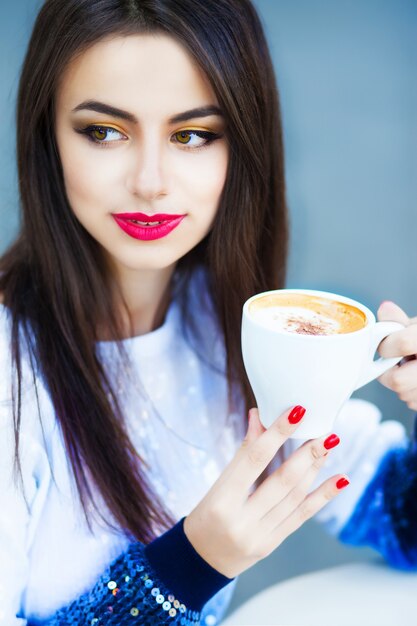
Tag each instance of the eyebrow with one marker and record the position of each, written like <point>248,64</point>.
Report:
<point>107,109</point>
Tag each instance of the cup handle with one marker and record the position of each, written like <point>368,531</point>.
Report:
<point>376,368</point>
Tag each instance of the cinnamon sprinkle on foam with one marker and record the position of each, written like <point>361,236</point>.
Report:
<point>305,327</point>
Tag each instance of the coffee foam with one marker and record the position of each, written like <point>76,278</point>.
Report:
<point>306,315</point>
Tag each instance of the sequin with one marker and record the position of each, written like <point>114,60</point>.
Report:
<point>115,591</point>
<point>171,598</point>
<point>148,583</point>
<point>159,598</point>
<point>112,585</point>
<point>176,604</point>
<point>155,591</point>
<point>166,605</point>
<point>379,519</point>
<point>94,621</point>
<point>172,612</point>
<point>134,611</point>
<point>127,578</point>
<point>182,608</point>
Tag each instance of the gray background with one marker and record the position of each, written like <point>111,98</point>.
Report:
<point>346,70</point>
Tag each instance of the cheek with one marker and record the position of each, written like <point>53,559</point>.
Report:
<point>88,177</point>
<point>205,177</point>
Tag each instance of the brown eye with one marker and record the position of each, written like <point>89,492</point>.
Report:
<point>183,136</point>
<point>194,139</point>
<point>99,133</point>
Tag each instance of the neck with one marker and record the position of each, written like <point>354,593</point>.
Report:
<point>147,294</point>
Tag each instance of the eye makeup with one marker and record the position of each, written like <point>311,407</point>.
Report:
<point>92,133</point>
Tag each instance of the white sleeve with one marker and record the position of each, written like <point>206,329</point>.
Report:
<point>364,441</point>
<point>18,516</point>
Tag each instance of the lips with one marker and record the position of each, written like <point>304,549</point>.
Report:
<point>147,227</point>
<point>147,219</point>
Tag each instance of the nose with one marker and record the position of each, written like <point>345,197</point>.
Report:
<point>147,177</point>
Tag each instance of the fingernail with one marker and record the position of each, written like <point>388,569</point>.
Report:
<point>342,482</point>
<point>386,302</point>
<point>331,441</point>
<point>296,414</point>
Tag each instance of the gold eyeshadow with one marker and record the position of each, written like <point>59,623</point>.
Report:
<point>106,124</point>
<point>190,129</point>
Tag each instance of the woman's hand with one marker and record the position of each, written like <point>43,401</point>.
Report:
<point>401,378</point>
<point>232,528</point>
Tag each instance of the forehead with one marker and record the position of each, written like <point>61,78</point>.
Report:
<point>151,75</point>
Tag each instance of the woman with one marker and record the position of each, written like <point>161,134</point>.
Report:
<point>151,177</point>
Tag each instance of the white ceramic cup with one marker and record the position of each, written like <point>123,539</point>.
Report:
<point>320,372</point>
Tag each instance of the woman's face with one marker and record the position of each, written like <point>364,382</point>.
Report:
<point>141,159</point>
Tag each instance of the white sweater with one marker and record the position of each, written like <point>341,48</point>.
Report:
<point>47,554</point>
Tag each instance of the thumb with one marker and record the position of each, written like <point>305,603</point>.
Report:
<point>391,312</point>
<point>255,428</point>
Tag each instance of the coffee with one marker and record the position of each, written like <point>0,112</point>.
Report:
<point>306,314</point>
<point>312,348</point>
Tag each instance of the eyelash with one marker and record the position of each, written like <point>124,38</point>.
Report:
<point>203,134</point>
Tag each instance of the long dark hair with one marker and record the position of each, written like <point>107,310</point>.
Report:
<point>54,279</point>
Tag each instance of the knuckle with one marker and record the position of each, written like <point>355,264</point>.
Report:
<point>305,510</point>
<point>256,456</point>
<point>318,463</point>
<point>406,344</point>
<point>328,495</point>
<point>397,384</point>
<point>263,552</point>
<point>287,477</point>
<point>315,453</point>
<point>283,428</point>
<point>296,496</point>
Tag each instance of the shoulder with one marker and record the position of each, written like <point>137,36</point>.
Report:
<point>7,365</point>
<point>35,401</point>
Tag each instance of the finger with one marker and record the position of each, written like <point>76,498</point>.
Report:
<point>292,472</point>
<point>311,505</point>
<point>256,428</point>
<point>412,405</point>
<point>293,499</point>
<point>410,398</point>
<point>251,460</point>
<point>401,379</point>
<point>391,312</point>
<point>400,343</point>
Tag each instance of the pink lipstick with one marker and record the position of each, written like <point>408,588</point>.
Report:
<point>147,227</point>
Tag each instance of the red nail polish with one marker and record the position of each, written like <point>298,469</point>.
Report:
<point>342,482</point>
<point>296,414</point>
<point>331,441</point>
